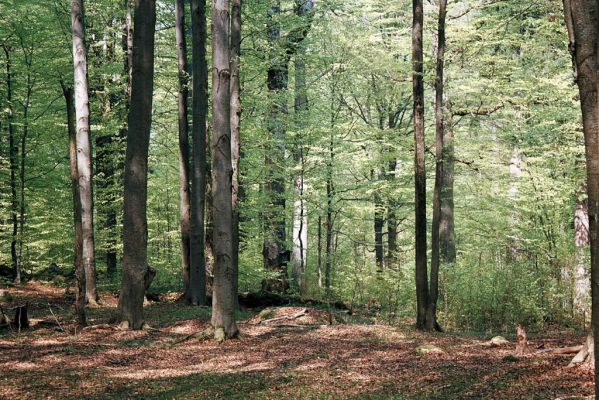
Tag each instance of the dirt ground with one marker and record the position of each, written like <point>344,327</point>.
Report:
<point>277,359</point>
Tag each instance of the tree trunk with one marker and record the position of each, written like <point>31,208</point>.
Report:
<point>235,130</point>
<point>431,317</point>
<point>392,256</point>
<point>13,158</point>
<point>300,212</point>
<point>135,226</point>
<point>196,293</point>
<point>184,198</point>
<point>329,218</point>
<point>447,248</point>
<point>319,251</point>
<point>78,242</point>
<point>223,295</point>
<point>419,163</point>
<point>379,223</point>
<point>274,217</point>
<point>84,153</point>
<point>582,18</point>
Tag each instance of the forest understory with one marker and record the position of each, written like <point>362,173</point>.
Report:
<point>298,355</point>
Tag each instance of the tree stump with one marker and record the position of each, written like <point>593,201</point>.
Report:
<point>521,340</point>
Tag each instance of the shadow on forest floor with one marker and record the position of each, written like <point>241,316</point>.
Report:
<point>288,361</point>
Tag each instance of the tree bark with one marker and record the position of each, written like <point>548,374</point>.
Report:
<point>274,217</point>
<point>84,153</point>
<point>78,242</point>
<point>13,159</point>
<point>582,17</point>
<point>196,293</point>
<point>235,54</point>
<point>300,212</point>
<point>184,197</point>
<point>379,223</point>
<point>419,163</point>
<point>392,256</point>
<point>223,294</point>
<point>431,317</point>
<point>447,246</point>
<point>135,226</point>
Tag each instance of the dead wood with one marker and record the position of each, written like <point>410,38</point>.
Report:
<point>561,350</point>
<point>285,317</point>
<point>521,340</point>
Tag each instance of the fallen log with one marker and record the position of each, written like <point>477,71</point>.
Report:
<point>285,317</point>
<point>561,350</point>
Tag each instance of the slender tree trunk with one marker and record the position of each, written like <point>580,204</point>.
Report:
<point>582,20</point>
<point>22,158</point>
<point>300,212</point>
<point>329,218</point>
<point>84,153</point>
<point>392,223</point>
<point>274,217</point>
<point>184,197</point>
<point>223,294</point>
<point>196,293</point>
<point>319,251</point>
<point>431,318</point>
<point>447,247</point>
<point>128,48</point>
<point>379,223</point>
<point>235,129</point>
<point>13,158</point>
<point>419,162</point>
<point>135,226</point>
<point>78,242</point>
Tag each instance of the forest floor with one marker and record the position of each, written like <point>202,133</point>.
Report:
<point>286,359</point>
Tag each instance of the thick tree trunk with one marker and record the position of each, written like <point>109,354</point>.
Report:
<point>78,242</point>
<point>431,317</point>
<point>84,153</point>
<point>223,294</point>
<point>419,163</point>
<point>184,197</point>
<point>135,226</point>
<point>13,159</point>
<point>235,129</point>
<point>196,293</point>
<point>582,19</point>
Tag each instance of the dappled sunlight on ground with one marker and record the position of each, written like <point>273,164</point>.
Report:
<point>285,359</point>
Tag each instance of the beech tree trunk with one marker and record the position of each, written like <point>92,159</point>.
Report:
<point>196,293</point>
<point>379,223</point>
<point>582,20</point>
<point>13,159</point>
<point>235,129</point>
<point>135,226</point>
<point>84,153</point>
<point>223,294</point>
<point>184,197</point>
<point>392,256</point>
<point>419,163</point>
<point>431,317</point>
<point>300,212</point>
<point>78,242</point>
<point>447,247</point>
<point>274,217</point>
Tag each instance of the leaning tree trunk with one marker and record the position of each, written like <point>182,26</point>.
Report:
<point>184,198</point>
<point>431,317</point>
<point>84,153</point>
<point>223,293</point>
<point>419,163</point>
<point>135,225</point>
<point>235,129</point>
<point>582,21</point>
<point>78,243</point>
<point>196,293</point>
